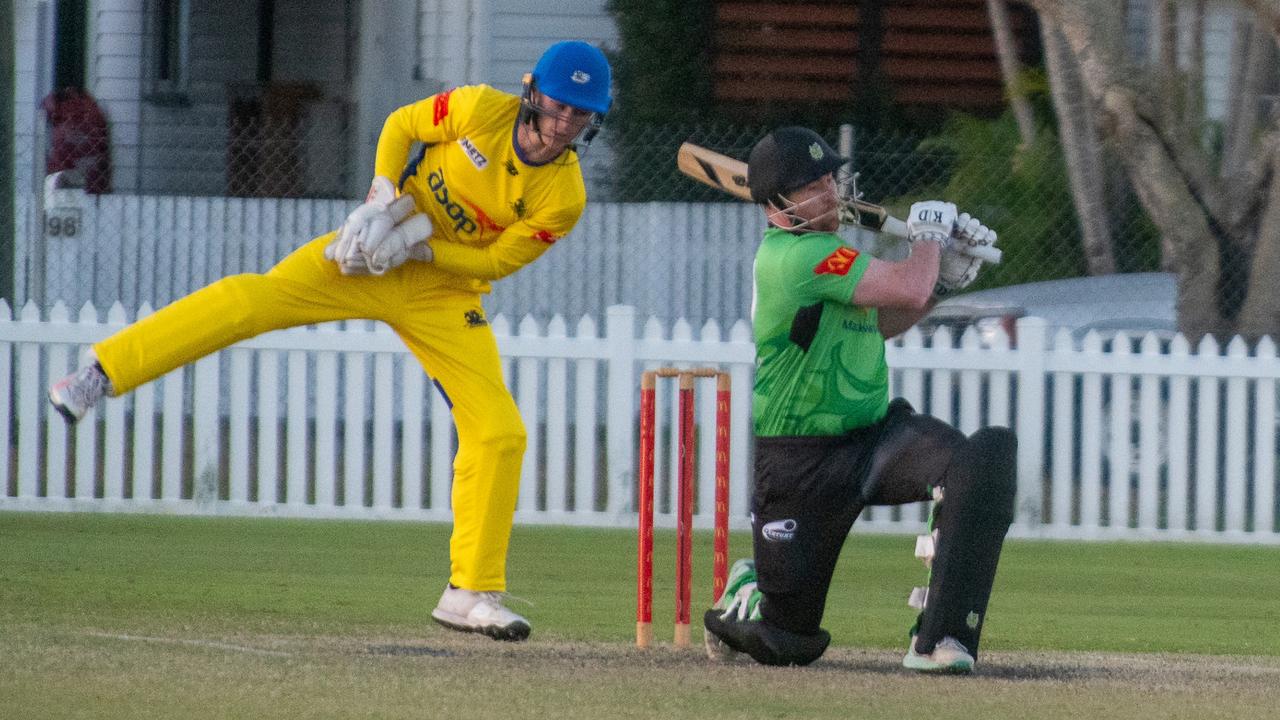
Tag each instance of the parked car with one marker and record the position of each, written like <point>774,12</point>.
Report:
<point>1135,302</point>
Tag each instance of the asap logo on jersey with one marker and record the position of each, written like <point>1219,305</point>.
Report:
<point>464,222</point>
<point>837,263</point>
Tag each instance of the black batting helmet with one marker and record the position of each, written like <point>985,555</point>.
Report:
<point>787,159</point>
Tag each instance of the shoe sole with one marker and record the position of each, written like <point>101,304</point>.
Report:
<point>718,650</point>
<point>922,664</point>
<point>515,632</point>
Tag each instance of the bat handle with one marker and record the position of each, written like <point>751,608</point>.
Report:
<point>894,227</point>
<point>985,253</point>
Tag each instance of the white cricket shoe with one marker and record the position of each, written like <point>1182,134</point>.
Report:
<point>479,612</point>
<point>948,656</point>
<point>75,394</point>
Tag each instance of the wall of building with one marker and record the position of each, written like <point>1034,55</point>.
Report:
<point>349,62</point>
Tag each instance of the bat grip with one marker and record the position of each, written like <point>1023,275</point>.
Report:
<point>985,253</point>
<point>894,227</point>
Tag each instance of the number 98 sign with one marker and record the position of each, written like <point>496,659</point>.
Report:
<point>62,222</point>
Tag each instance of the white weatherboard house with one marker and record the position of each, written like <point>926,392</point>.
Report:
<point>226,120</point>
<point>167,72</point>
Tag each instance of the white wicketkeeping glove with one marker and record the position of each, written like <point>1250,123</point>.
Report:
<point>406,241</point>
<point>931,220</point>
<point>958,269</point>
<point>365,224</point>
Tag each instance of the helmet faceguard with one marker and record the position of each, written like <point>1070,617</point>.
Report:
<point>786,160</point>
<point>529,110</point>
<point>787,214</point>
<point>574,73</point>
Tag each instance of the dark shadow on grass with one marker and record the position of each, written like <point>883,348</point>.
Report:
<point>1033,672</point>
<point>1041,672</point>
<point>409,651</point>
<point>871,663</point>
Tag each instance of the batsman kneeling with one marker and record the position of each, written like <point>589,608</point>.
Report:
<point>828,440</point>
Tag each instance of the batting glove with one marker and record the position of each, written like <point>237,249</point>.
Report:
<point>970,233</point>
<point>958,269</point>
<point>931,220</point>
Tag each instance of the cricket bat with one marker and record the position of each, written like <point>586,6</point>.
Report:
<point>730,175</point>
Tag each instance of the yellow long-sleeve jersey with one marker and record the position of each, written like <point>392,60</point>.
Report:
<point>492,211</point>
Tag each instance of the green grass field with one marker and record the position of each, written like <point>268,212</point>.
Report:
<point>169,617</point>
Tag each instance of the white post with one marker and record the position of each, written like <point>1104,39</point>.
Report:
<point>620,337</point>
<point>1032,337</point>
<point>846,150</point>
<point>384,78</point>
<point>295,428</point>
<point>206,430</point>
<point>30,388</point>
<point>7,409</point>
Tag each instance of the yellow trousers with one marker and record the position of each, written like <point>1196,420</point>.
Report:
<point>443,326</point>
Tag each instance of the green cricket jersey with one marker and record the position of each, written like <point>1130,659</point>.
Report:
<point>803,290</point>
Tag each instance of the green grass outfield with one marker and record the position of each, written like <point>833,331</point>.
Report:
<point>110,616</point>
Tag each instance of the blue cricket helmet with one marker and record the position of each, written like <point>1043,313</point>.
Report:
<point>575,73</point>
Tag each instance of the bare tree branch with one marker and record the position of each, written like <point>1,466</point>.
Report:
<point>1169,170</point>
<point>1090,27</point>
<point>1164,20</point>
<point>1194,96</point>
<point>1077,132</point>
<point>1011,70</point>
<point>1176,211</point>
<point>1260,314</point>
<point>1253,56</point>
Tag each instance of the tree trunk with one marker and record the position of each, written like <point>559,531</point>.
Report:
<point>1078,135</point>
<point>1194,99</point>
<point>1250,64</point>
<point>1223,232</point>
<point>1260,314</point>
<point>1163,25</point>
<point>1175,211</point>
<point>1011,71</point>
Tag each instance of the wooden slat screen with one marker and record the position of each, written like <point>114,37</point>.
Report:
<point>932,52</point>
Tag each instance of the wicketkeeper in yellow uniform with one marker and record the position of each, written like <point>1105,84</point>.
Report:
<point>496,185</point>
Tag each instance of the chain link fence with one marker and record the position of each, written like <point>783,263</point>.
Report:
<point>206,192</point>
<point>1023,194</point>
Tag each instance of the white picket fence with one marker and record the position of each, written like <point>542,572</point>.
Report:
<point>671,260</point>
<point>338,421</point>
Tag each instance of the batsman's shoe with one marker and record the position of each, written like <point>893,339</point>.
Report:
<point>75,394</point>
<point>948,656</point>
<point>479,612</point>
<point>765,643</point>
<point>741,574</point>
